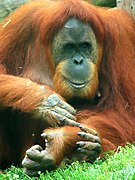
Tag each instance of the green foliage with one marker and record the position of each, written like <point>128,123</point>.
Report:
<point>119,166</point>
<point>106,3</point>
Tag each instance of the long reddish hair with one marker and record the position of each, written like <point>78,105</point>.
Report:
<point>115,33</point>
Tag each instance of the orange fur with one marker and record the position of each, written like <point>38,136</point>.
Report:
<point>26,64</point>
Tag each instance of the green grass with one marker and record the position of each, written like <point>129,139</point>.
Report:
<point>119,166</point>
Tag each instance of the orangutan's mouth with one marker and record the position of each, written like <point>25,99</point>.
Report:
<point>78,85</point>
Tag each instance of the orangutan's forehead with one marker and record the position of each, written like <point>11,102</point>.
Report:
<point>74,23</point>
<point>75,29</point>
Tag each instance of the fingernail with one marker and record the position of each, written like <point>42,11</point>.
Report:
<point>81,133</point>
<point>80,144</point>
<point>44,135</point>
<point>81,127</point>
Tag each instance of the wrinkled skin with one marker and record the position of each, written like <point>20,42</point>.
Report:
<point>38,160</point>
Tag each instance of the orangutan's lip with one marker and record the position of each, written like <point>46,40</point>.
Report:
<point>78,85</point>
